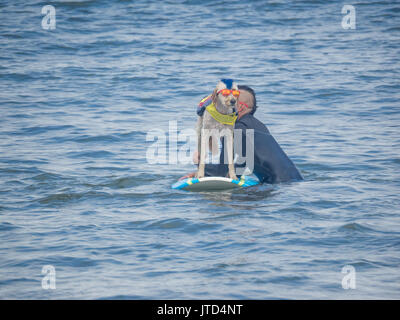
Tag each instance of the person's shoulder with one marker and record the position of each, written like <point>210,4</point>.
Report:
<point>248,121</point>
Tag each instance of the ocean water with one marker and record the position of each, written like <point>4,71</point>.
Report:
<point>78,193</point>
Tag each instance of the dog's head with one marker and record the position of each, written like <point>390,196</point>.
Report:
<point>226,101</point>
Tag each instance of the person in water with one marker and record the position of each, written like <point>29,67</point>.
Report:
<point>271,164</point>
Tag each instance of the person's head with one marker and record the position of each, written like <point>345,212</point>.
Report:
<point>247,100</point>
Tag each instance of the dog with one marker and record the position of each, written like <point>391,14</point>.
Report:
<point>212,125</point>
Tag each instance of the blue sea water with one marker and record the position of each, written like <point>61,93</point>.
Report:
<point>76,189</point>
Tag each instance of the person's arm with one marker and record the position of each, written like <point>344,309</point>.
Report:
<point>189,175</point>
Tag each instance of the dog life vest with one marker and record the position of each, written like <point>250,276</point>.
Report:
<point>207,104</point>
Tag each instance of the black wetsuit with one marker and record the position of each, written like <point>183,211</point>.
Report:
<point>271,164</point>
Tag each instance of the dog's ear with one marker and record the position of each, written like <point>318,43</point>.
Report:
<point>214,96</point>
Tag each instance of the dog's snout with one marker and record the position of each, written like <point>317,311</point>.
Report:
<point>233,101</point>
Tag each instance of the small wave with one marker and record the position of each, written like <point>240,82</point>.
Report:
<point>123,297</point>
<point>289,279</point>
<point>107,168</point>
<point>99,138</point>
<point>19,77</point>
<point>91,154</point>
<point>178,224</point>
<point>77,4</point>
<point>14,170</point>
<point>355,227</point>
<point>42,129</point>
<point>14,281</point>
<point>6,226</point>
<point>70,261</point>
<point>370,264</point>
<point>64,198</point>
<point>46,176</point>
<point>125,182</point>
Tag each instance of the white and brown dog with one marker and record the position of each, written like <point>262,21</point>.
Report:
<point>217,121</point>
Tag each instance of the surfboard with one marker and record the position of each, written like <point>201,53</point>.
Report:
<point>214,183</point>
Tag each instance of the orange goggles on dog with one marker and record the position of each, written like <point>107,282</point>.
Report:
<point>227,92</point>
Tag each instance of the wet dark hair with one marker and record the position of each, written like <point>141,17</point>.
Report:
<point>247,88</point>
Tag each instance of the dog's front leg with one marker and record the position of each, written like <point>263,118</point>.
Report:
<point>203,148</point>
<point>231,167</point>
